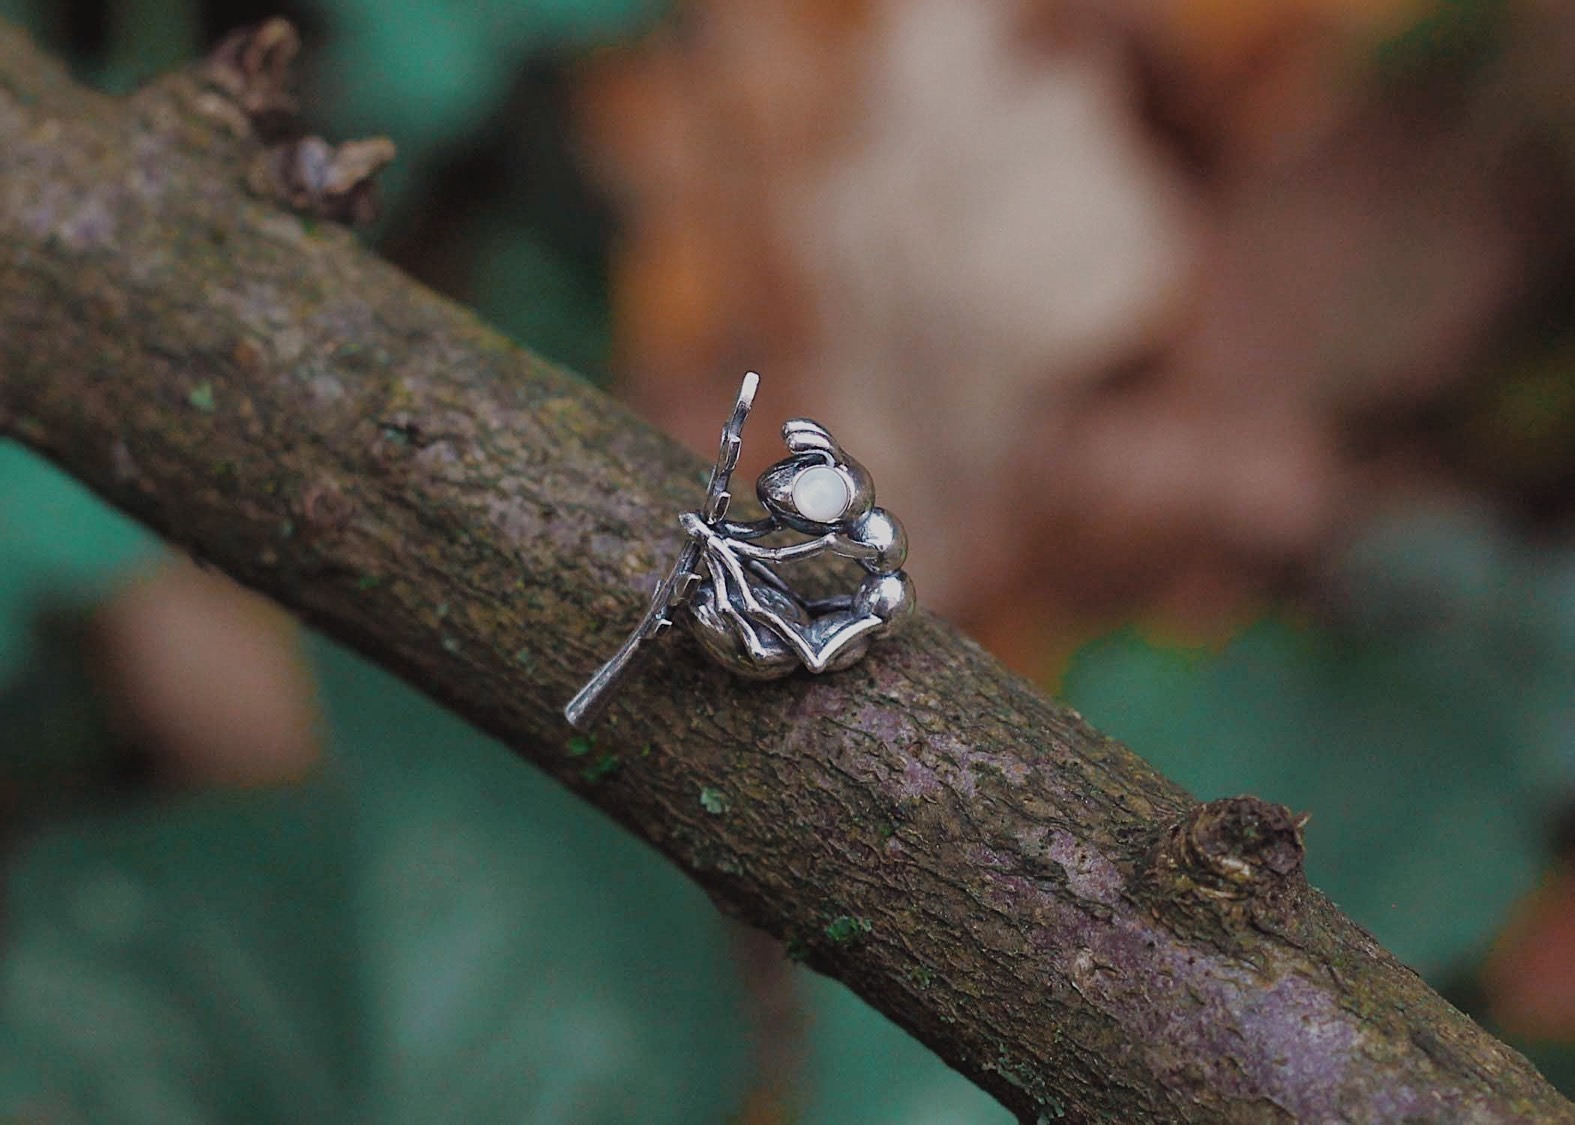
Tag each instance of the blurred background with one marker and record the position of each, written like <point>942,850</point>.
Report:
<point>1219,356</point>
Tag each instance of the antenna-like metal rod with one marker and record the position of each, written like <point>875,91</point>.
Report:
<point>674,589</point>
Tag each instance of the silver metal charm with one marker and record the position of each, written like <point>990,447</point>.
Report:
<point>725,585</point>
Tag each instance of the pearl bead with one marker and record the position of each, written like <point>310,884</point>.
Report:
<point>820,494</point>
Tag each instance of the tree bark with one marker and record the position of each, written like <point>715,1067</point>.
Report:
<point>1052,917</point>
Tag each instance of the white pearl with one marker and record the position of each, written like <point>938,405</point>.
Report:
<point>820,494</point>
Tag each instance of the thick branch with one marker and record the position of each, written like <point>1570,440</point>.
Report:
<point>1061,924</point>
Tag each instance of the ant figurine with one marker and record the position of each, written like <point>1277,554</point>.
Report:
<point>748,618</point>
<point>743,613</point>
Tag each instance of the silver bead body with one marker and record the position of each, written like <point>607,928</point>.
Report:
<point>887,596</point>
<point>747,616</point>
<point>881,532</point>
<point>725,586</point>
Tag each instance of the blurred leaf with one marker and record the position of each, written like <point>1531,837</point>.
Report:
<point>49,719</point>
<point>523,958</point>
<point>56,538</point>
<point>864,1070</point>
<point>1556,1061</point>
<point>25,13</point>
<point>1459,35</point>
<point>1514,428</point>
<point>146,38</point>
<point>424,71</point>
<point>543,300</point>
<point>56,753</point>
<point>430,931</point>
<point>184,962</point>
<point>1529,977</point>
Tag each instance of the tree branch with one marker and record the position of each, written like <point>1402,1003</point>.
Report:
<point>1057,921</point>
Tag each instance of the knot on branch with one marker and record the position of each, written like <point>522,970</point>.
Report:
<point>1225,863</point>
<point>325,509</point>
<point>254,68</point>
<point>334,182</point>
<point>1232,848</point>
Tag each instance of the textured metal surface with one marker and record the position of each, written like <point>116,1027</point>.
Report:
<point>726,588</point>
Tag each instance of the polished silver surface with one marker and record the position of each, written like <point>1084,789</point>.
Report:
<point>727,587</point>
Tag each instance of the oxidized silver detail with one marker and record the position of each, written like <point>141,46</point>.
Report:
<point>725,585</point>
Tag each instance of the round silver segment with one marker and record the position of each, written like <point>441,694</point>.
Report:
<point>728,589</point>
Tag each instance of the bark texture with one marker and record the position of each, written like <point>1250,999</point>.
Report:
<point>1056,920</point>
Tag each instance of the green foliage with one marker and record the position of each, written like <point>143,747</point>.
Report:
<point>146,38</point>
<point>145,982</point>
<point>429,931</point>
<point>443,81</point>
<point>424,71</point>
<point>1428,741</point>
<point>844,928</point>
<point>142,38</point>
<point>56,542</point>
<point>537,294</point>
<point>1452,37</point>
<point>24,13</point>
<point>865,1073</point>
<point>415,936</point>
